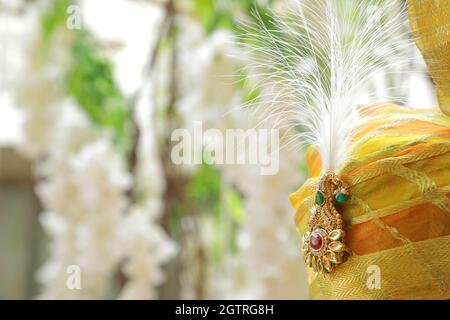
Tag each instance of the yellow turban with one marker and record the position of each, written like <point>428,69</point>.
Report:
<point>398,216</point>
<point>429,20</point>
<point>398,175</point>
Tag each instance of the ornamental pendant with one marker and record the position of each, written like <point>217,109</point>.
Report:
<point>323,246</point>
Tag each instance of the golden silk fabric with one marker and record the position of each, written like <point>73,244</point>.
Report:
<point>430,24</point>
<point>398,215</point>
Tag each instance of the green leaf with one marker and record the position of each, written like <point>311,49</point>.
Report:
<point>90,81</point>
<point>53,18</point>
<point>234,205</point>
<point>204,189</point>
<point>213,15</point>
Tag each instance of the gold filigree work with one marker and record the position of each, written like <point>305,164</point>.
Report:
<point>323,245</point>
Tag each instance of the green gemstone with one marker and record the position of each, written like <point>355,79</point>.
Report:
<point>340,198</point>
<point>319,198</point>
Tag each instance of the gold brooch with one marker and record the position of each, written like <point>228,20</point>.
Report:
<point>323,246</point>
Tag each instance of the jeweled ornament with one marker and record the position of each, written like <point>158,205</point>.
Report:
<point>340,198</point>
<point>319,198</point>
<point>315,241</point>
<point>324,247</point>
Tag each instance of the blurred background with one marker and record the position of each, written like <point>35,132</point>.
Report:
<point>90,92</point>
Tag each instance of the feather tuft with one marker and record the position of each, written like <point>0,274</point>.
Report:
<point>315,61</point>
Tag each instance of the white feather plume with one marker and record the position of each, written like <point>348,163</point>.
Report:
<point>316,60</point>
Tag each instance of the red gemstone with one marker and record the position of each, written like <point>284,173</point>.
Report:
<point>315,241</point>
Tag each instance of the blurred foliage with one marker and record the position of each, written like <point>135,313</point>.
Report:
<point>204,189</point>
<point>212,195</point>
<point>55,17</point>
<point>90,78</point>
<point>233,202</point>
<point>211,18</point>
<point>252,92</point>
<point>226,14</point>
<point>90,81</point>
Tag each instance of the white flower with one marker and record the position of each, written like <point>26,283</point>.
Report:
<point>40,92</point>
<point>84,197</point>
<point>146,243</point>
<point>148,247</point>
